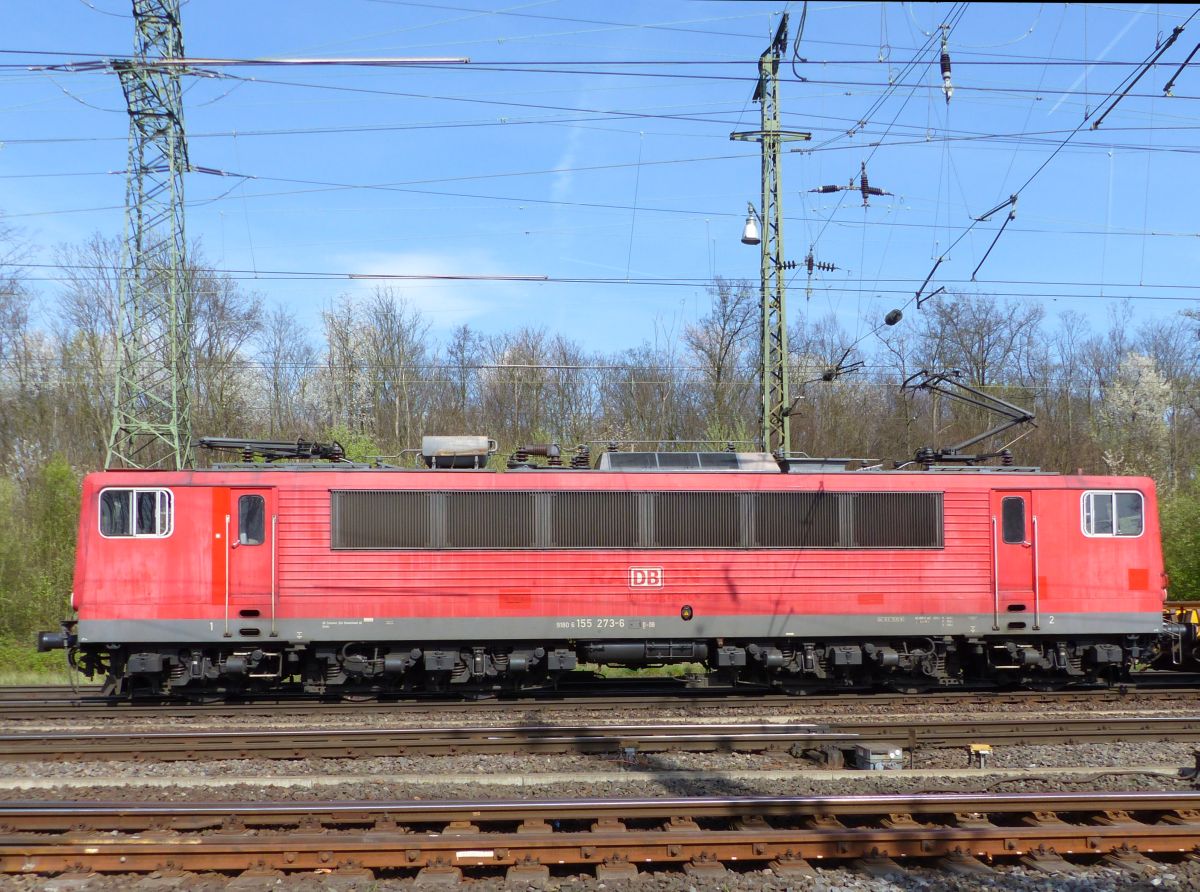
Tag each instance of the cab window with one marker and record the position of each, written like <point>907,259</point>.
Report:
<point>1113,513</point>
<point>1013,515</point>
<point>136,513</point>
<point>251,520</point>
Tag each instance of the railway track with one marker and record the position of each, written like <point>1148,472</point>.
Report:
<point>61,704</point>
<point>617,738</point>
<point>613,838</point>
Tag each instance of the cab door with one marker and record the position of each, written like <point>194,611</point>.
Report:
<point>1014,543</point>
<point>250,549</point>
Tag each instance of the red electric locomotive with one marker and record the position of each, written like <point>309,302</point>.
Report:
<point>801,575</point>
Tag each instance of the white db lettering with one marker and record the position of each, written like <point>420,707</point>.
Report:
<point>645,577</point>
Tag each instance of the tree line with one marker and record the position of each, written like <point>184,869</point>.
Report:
<point>1124,398</point>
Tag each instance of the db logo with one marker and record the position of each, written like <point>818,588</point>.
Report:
<point>645,577</point>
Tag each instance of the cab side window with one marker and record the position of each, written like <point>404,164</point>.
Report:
<point>251,520</point>
<point>136,513</point>
<point>1013,517</point>
<point>1113,513</point>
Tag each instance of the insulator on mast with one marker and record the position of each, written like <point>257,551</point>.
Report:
<point>947,87</point>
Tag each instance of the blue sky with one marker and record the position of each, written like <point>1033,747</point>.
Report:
<point>589,142</point>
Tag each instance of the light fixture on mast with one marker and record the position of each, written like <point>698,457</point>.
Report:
<point>750,234</point>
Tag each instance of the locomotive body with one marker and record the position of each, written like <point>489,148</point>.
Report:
<point>250,578</point>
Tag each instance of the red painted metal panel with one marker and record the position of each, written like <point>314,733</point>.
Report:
<point>179,577</point>
<point>250,548</point>
<point>1014,559</point>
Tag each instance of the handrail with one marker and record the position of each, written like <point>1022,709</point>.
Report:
<point>995,574</point>
<point>274,546</point>
<point>228,557</point>
<point>1037,615</point>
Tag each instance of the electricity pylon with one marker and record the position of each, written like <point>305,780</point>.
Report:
<point>776,398</point>
<point>151,425</point>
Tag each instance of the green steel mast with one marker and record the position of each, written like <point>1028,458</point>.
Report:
<point>776,398</point>
<point>151,425</point>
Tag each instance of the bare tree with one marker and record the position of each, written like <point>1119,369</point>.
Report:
<point>459,384</point>
<point>288,362</point>
<point>344,390</point>
<point>721,345</point>
<point>988,340</point>
<point>395,353</point>
<point>225,320</point>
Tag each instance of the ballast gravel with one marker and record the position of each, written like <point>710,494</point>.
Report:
<point>1166,878</point>
<point>1169,755</point>
<point>237,782</point>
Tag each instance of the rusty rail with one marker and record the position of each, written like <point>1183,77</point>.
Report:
<point>611,836</point>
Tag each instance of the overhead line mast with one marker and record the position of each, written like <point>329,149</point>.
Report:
<point>776,397</point>
<point>151,425</point>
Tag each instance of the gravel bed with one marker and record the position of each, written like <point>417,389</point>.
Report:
<point>398,766</point>
<point>1166,754</point>
<point>393,786</point>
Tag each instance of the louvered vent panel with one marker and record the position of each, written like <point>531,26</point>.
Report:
<point>594,520</point>
<point>490,520</point>
<point>797,519</point>
<point>697,520</point>
<point>898,520</point>
<point>380,519</point>
<point>383,519</point>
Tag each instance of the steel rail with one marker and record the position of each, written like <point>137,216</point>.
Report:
<point>336,743</point>
<point>26,706</point>
<point>123,815</point>
<point>932,732</point>
<point>615,738</point>
<point>21,694</point>
<point>608,835</point>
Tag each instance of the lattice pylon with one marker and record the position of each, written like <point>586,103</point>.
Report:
<point>151,413</point>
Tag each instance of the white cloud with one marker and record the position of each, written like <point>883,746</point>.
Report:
<point>564,180</point>
<point>445,303</point>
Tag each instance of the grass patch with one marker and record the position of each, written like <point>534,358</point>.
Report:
<point>21,664</point>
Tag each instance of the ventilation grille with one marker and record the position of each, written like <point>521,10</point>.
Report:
<point>697,520</point>
<point>490,520</point>
<point>380,519</point>
<point>594,519</point>
<point>389,519</point>
<point>898,520</point>
<point>799,520</point>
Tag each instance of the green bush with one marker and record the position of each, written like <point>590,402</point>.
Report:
<point>20,663</point>
<point>360,447</point>
<point>1180,514</point>
<point>38,517</point>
